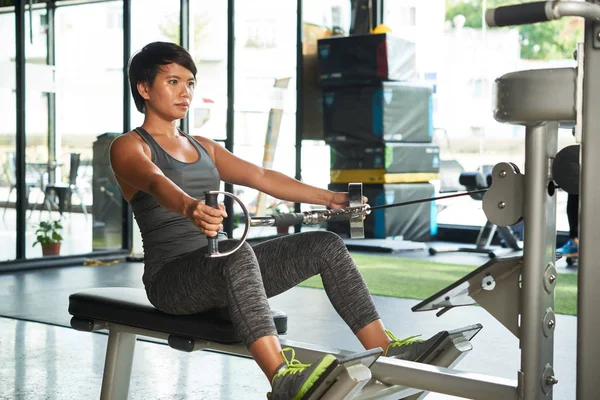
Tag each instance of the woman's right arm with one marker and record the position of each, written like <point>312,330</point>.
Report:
<point>133,166</point>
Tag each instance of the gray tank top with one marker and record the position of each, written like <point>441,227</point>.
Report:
<point>167,235</point>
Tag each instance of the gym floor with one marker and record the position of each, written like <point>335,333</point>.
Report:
<point>41,357</point>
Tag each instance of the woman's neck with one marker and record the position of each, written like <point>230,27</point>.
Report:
<point>160,127</point>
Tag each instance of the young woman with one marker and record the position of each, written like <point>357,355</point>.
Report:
<point>163,173</point>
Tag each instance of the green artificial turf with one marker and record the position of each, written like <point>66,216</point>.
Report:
<point>418,279</point>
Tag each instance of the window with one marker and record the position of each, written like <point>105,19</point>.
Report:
<point>208,47</point>
<point>265,74</point>
<point>89,113</point>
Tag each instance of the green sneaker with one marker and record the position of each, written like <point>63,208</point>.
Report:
<point>411,348</point>
<point>296,380</point>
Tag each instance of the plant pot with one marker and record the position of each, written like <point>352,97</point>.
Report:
<point>51,249</point>
<point>283,229</point>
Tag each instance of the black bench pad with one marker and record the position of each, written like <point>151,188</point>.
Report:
<point>130,307</point>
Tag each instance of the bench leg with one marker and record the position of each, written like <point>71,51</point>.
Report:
<point>117,366</point>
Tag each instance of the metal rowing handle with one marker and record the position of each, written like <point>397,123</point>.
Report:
<point>355,212</point>
<point>213,242</point>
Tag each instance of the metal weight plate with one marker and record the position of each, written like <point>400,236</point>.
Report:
<point>355,197</point>
<point>565,169</point>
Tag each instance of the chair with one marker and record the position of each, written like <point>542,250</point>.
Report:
<point>11,175</point>
<point>64,191</point>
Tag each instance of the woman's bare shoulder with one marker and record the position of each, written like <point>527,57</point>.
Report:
<point>128,142</point>
<point>208,144</point>
<point>204,141</point>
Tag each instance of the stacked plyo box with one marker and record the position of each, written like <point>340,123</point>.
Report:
<point>378,124</point>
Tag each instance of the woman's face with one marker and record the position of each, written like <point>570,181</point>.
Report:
<point>171,93</point>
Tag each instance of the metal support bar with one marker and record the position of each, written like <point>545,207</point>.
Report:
<point>21,205</point>
<point>509,238</point>
<point>184,41</point>
<point>377,13</point>
<point>117,367</point>
<point>379,391</point>
<point>51,60</point>
<point>443,380</point>
<point>127,226</point>
<point>229,139</point>
<point>588,322</point>
<point>574,9</point>
<point>299,97</point>
<point>486,234</point>
<point>537,304</point>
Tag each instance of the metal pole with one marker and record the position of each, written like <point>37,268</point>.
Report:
<point>299,97</point>
<point>444,380</point>
<point>229,139</point>
<point>588,321</point>
<point>21,204</point>
<point>184,41</point>
<point>377,13</point>
<point>127,228</point>
<point>51,60</point>
<point>537,302</point>
<point>184,24</point>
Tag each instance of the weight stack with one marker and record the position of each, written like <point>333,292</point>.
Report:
<point>415,222</point>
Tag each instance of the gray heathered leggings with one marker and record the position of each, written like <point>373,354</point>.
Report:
<point>244,280</point>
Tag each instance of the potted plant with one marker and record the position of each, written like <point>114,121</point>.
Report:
<point>49,238</point>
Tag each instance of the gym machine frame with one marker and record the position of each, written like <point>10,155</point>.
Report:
<point>541,100</point>
<point>524,299</point>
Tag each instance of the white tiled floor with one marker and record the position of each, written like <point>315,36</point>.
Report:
<point>39,361</point>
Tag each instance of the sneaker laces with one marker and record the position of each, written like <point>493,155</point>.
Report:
<point>401,342</point>
<point>293,366</point>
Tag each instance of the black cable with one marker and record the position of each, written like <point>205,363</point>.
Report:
<point>406,203</point>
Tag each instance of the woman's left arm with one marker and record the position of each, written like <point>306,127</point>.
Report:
<point>240,172</point>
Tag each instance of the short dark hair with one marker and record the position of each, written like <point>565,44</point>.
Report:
<point>146,64</point>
